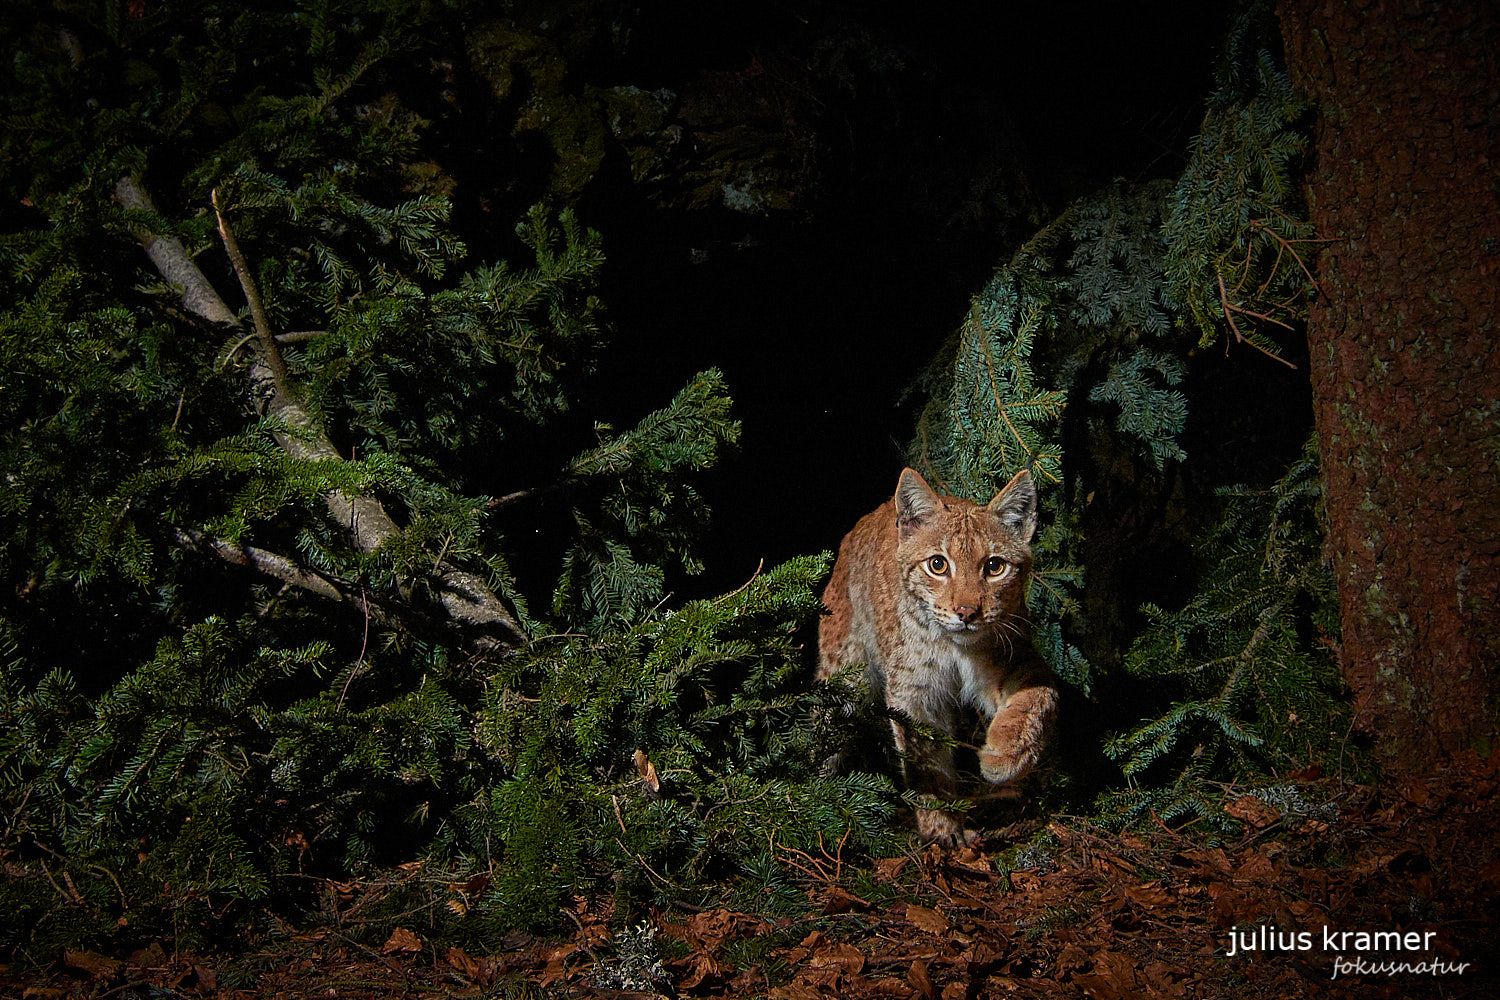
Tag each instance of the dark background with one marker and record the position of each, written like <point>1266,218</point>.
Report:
<point>925,177</point>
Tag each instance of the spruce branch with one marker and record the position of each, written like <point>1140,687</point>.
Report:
<point>464,597</point>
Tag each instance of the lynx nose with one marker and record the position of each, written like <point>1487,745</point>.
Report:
<point>967,612</point>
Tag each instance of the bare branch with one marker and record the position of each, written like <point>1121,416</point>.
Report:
<point>1230,310</point>
<point>268,347</point>
<point>262,560</point>
<point>173,262</point>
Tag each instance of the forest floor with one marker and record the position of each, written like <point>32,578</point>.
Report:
<point>1147,914</point>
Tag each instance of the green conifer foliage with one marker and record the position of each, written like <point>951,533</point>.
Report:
<point>680,748</point>
<point>1026,351</point>
<point>1236,233</point>
<point>259,599</point>
<point>1095,324</point>
<point>1253,683</point>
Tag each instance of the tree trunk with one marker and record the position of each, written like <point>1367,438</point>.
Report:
<point>1405,367</point>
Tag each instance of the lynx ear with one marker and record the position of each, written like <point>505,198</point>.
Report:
<point>915,502</point>
<point>1015,506</point>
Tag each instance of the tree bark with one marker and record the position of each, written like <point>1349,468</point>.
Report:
<point>1403,338</point>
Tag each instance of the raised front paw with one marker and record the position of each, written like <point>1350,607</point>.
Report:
<point>1002,764</point>
<point>1017,735</point>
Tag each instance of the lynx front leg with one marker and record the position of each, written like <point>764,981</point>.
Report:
<point>928,767</point>
<point>1018,731</point>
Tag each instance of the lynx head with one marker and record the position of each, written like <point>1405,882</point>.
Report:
<point>965,565</point>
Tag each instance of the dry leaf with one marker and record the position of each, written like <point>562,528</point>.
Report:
<point>1114,978</point>
<point>153,956</point>
<point>1414,790</point>
<point>703,968</point>
<point>1072,957</point>
<point>401,939</point>
<point>208,979</point>
<point>474,886</point>
<point>93,963</point>
<point>848,959</point>
<point>1252,811</point>
<point>920,980</point>
<point>557,963</point>
<point>647,771</point>
<point>929,920</point>
<point>840,901</point>
<point>1258,868</point>
<point>460,960</point>
<point>974,859</point>
<point>1149,895</point>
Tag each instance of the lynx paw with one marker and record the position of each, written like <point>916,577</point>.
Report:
<point>1003,764</point>
<point>1017,735</point>
<point>943,828</point>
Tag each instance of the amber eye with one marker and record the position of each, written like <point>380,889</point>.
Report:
<point>937,565</point>
<point>994,566</point>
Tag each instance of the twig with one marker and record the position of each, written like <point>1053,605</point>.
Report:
<point>758,565</point>
<point>1293,250</point>
<point>48,872</point>
<point>1240,337</point>
<point>649,870</point>
<point>372,953</point>
<point>268,347</point>
<point>124,903</point>
<point>15,815</point>
<point>363,645</point>
<point>582,933</point>
<point>618,817</point>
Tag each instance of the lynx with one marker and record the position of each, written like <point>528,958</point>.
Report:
<point>928,593</point>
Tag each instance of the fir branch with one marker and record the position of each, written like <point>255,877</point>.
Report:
<point>463,596</point>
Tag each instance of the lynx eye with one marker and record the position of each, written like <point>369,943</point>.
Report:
<point>937,565</point>
<point>995,567</point>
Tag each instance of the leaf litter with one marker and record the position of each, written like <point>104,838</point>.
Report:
<point>1094,913</point>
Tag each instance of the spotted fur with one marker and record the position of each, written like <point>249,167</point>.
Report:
<point>929,593</point>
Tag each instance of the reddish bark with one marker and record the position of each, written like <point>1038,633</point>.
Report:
<point>1403,339</point>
